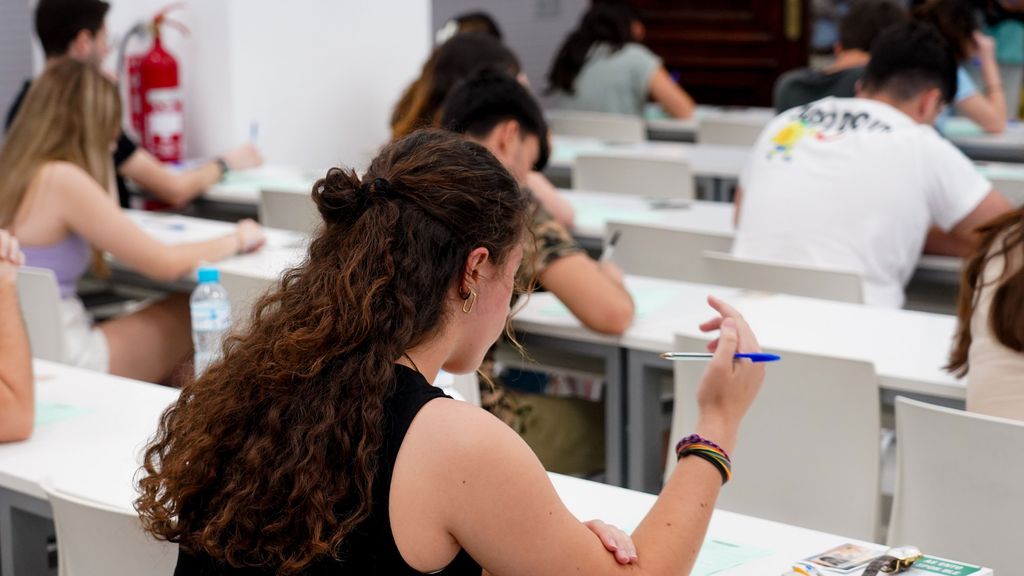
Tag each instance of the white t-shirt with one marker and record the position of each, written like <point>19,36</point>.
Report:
<point>853,184</point>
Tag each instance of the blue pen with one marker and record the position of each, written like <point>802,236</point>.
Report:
<point>254,132</point>
<point>753,357</point>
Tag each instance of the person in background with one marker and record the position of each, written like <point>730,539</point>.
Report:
<point>603,67</point>
<point>858,29</point>
<point>469,22</point>
<point>492,109</point>
<point>56,197</point>
<point>1004,22</point>
<point>411,273</point>
<point>453,61</point>
<point>863,184</point>
<point>17,407</point>
<point>77,28</point>
<point>956,21</point>
<point>989,345</point>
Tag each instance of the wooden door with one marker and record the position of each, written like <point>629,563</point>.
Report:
<point>728,51</point>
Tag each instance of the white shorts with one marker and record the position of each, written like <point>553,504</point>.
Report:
<point>84,345</point>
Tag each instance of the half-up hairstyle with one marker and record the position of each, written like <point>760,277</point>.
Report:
<point>269,459</point>
<point>1001,238</point>
<point>606,22</point>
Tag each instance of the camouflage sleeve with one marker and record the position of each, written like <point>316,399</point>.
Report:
<point>550,242</point>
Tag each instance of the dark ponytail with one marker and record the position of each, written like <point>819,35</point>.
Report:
<point>270,458</point>
<point>606,22</point>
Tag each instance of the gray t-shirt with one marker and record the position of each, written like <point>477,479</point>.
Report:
<point>613,82</point>
<point>805,85</point>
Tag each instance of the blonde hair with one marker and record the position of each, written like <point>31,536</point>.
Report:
<point>72,113</point>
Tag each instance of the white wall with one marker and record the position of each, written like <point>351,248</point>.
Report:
<point>533,29</point>
<point>319,76</point>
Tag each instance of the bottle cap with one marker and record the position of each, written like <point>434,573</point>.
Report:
<point>208,274</point>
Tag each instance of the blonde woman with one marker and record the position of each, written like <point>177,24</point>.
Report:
<point>56,198</point>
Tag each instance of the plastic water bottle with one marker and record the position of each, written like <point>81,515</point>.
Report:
<point>211,318</point>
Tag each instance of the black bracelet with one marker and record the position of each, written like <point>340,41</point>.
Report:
<point>223,165</point>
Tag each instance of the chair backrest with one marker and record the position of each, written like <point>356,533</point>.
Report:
<point>288,210</point>
<point>618,128</point>
<point>635,175</point>
<point>959,485</point>
<point>243,291</point>
<point>729,131</point>
<point>765,276</point>
<point>665,252</point>
<point>809,449</point>
<point>94,538</point>
<point>39,296</point>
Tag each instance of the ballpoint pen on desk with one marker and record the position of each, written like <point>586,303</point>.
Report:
<point>254,132</point>
<point>753,356</point>
<point>609,250</point>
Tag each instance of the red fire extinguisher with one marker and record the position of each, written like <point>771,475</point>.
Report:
<point>154,94</point>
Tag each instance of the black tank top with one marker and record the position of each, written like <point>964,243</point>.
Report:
<point>371,548</point>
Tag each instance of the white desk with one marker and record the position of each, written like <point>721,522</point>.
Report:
<point>706,160</point>
<point>661,127</point>
<point>908,350</point>
<point>95,454</point>
<point>977,145</point>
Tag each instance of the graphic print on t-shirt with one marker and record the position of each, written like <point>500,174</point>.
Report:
<point>822,125</point>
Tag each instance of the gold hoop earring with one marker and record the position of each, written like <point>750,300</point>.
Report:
<point>469,301</point>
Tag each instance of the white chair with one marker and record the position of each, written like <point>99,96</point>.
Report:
<point>668,253</point>
<point>288,210</point>
<point>94,538</point>
<point>617,128</point>
<point>808,450</point>
<point>959,485</point>
<point>39,296</point>
<point>635,175</point>
<point>766,276</point>
<point>729,131</point>
<point>243,291</point>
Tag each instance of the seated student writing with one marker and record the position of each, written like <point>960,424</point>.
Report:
<point>956,21</point>
<point>858,183</point>
<point>492,109</point>
<point>450,63</point>
<point>17,407</point>
<point>317,445</point>
<point>56,197</point>
<point>858,29</point>
<point>76,29</point>
<point>603,67</point>
<point>989,346</point>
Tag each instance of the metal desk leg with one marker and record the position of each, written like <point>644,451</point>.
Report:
<point>644,422</point>
<point>25,525</point>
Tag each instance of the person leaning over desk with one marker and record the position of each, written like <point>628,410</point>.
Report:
<point>318,444</point>
<point>16,384</point>
<point>77,29</point>
<point>56,197</point>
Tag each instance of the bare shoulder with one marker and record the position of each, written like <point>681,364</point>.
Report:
<point>67,179</point>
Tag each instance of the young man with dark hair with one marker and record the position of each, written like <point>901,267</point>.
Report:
<point>862,183</point>
<point>493,109</point>
<point>857,32</point>
<point>77,29</point>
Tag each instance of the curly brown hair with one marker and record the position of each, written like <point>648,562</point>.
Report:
<point>1002,238</point>
<point>269,459</point>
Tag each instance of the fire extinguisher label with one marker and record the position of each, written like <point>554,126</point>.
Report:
<point>164,123</point>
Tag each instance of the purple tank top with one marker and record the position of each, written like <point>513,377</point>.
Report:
<point>69,259</point>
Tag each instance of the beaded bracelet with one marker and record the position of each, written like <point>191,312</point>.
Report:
<point>697,445</point>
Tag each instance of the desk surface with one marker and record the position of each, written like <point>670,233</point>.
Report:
<point>907,348</point>
<point>94,453</point>
<point>706,160</point>
<point>662,127</point>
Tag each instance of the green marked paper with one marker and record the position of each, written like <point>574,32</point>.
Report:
<point>720,555</point>
<point>930,565</point>
<point>50,413</point>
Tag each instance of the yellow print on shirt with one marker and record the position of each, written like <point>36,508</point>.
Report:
<point>786,139</point>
